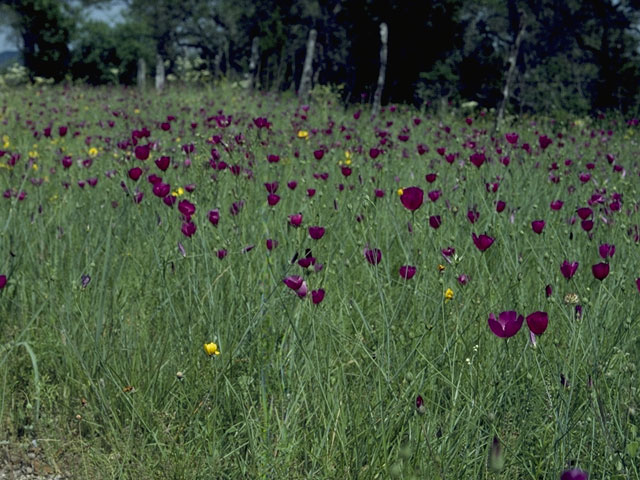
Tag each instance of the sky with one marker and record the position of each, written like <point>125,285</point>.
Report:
<point>110,14</point>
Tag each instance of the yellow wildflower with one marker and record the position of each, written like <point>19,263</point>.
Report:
<point>136,111</point>
<point>33,154</point>
<point>35,167</point>
<point>400,192</point>
<point>448,294</point>
<point>211,349</point>
<point>5,141</point>
<point>93,151</point>
<point>303,134</point>
<point>441,267</point>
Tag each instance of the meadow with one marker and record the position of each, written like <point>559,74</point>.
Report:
<point>210,283</point>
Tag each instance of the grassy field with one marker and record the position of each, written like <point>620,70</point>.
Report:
<point>136,230</point>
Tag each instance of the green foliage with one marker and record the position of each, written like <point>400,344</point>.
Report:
<point>302,390</point>
<point>103,54</point>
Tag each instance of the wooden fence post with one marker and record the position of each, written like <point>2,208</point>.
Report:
<point>377,97</point>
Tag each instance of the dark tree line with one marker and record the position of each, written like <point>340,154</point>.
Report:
<point>528,55</point>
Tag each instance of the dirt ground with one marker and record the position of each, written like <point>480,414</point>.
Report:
<point>27,462</point>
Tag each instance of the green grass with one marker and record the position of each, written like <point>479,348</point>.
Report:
<point>302,390</point>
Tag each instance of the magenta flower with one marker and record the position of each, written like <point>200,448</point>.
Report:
<point>373,255</point>
<point>584,212</point>
<point>316,232</point>
<point>3,281</point>
<point>273,199</point>
<point>271,187</point>
<point>317,296</point>
<point>295,220</point>
<point>142,152</point>
<point>568,269</point>
<point>448,252</point>
<point>574,474</point>
<point>538,322</point>
<point>544,141</point>
<point>463,279</point>
<point>473,215</point>
<point>500,206</point>
<point>135,173</point>
<point>537,226</point>
<point>506,325</point>
<point>435,221</point>
<point>188,228</point>
<point>161,189</point>
<point>482,242</point>
<point>292,185</point>
<point>163,163</point>
<point>412,198</point>
<point>587,225</point>
<point>434,195</point>
<point>548,291</point>
<point>294,282</point>
<point>302,291</point>
<point>221,253</point>
<point>606,250</point>
<point>154,179</point>
<point>600,270</point>
<point>556,205</point>
<point>271,244</point>
<point>431,177</point>
<point>187,209</point>
<point>512,138</point>
<point>407,271</point>
<point>477,159</point>
<point>214,216</point>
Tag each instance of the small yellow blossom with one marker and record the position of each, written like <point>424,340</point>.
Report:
<point>303,134</point>
<point>136,111</point>
<point>347,154</point>
<point>35,167</point>
<point>400,192</point>
<point>93,151</point>
<point>178,192</point>
<point>33,154</point>
<point>5,141</point>
<point>441,267</point>
<point>211,349</point>
<point>448,294</point>
<point>347,161</point>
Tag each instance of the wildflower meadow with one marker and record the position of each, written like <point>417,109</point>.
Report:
<point>211,283</point>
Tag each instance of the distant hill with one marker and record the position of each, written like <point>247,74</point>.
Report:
<point>9,56</point>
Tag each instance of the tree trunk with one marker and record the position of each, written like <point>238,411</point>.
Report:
<point>250,76</point>
<point>512,61</point>
<point>307,69</point>
<point>159,73</point>
<point>377,96</point>
<point>142,73</point>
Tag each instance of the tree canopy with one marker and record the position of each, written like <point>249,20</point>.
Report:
<point>571,55</point>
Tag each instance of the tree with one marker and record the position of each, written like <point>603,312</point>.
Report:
<point>45,28</point>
